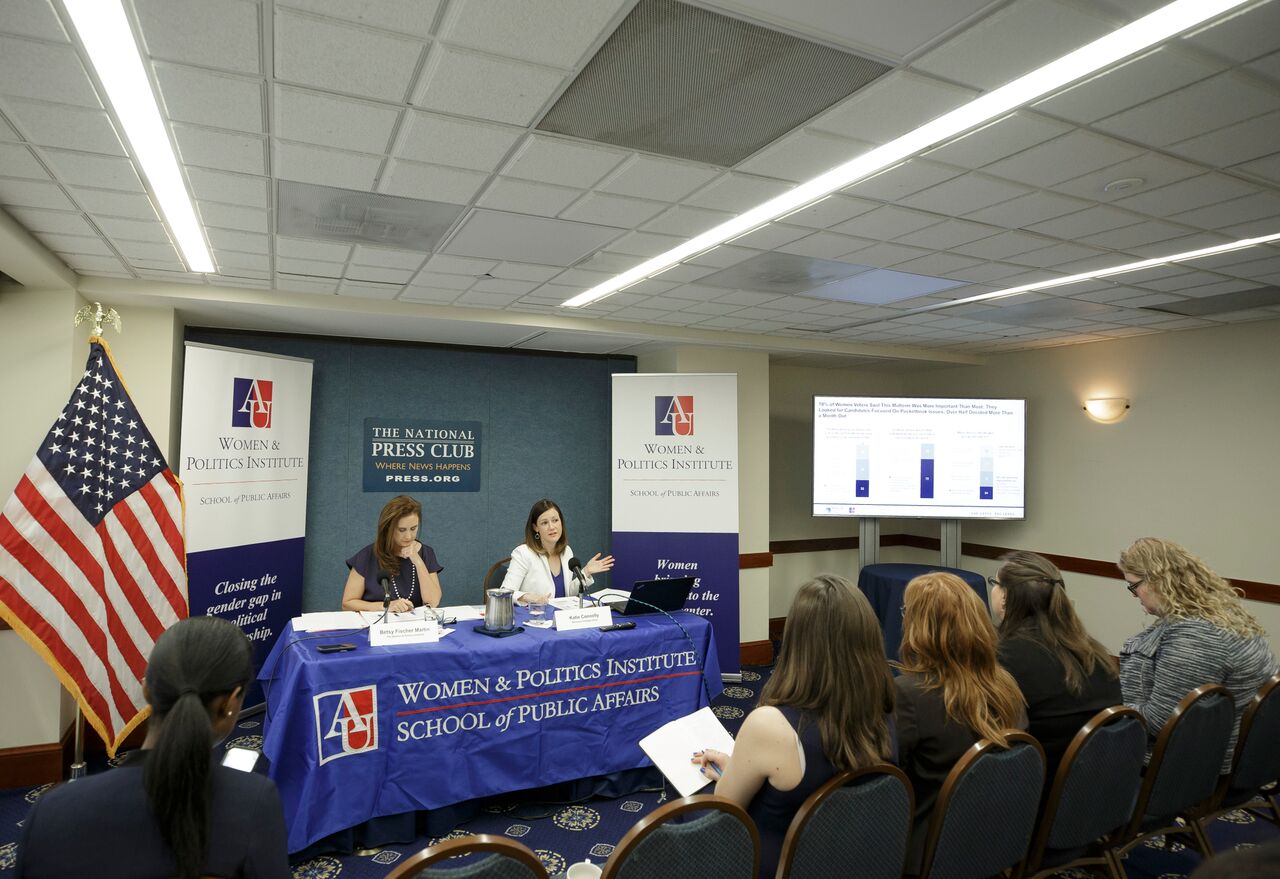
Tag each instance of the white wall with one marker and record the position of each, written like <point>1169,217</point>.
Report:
<point>1194,460</point>
<point>752,369</point>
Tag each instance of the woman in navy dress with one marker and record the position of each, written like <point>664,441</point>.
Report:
<point>408,566</point>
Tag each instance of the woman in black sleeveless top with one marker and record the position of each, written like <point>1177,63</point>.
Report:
<point>826,709</point>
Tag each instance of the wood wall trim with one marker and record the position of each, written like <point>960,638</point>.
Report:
<point>755,652</point>
<point>748,560</point>
<point>30,765</point>
<point>1254,590</point>
<point>776,625</point>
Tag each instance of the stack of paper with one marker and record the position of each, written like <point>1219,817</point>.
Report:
<point>328,620</point>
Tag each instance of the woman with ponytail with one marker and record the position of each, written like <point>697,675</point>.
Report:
<point>170,809</point>
<point>1065,675</point>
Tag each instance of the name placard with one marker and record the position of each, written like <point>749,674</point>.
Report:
<point>585,618</point>
<point>404,632</point>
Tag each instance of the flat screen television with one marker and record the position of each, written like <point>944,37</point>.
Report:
<point>919,457</point>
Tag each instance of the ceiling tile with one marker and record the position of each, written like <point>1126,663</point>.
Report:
<point>1186,195</point>
<point>614,210</point>
<point>441,281</point>
<point>825,245</point>
<point>89,169</point>
<point>883,255</point>
<point>938,265</point>
<point>644,244</point>
<point>339,58</point>
<point>61,222</point>
<point>303,248</point>
<point>44,72</point>
<point>1242,37</point>
<point>1090,221</point>
<point>770,236</point>
<point>287,265</point>
<point>58,125</point>
<point>1004,137</point>
<point>1260,205</point>
<point>525,197</point>
<point>902,180</point>
<point>1142,79</point>
<point>1002,246</point>
<point>17,160</point>
<point>504,236</point>
<point>432,182</point>
<point>1013,41</point>
<point>886,223</point>
<point>803,154</point>
<point>309,164</point>
<point>1153,169</point>
<point>221,34</point>
<point>948,234</point>
<point>1205,106</point>
<point>33,193</point>
<point>238,189</point>
<point>221,150</point>
<point>892,106</point>
<point>428,295</point>
<point>339,123</point>
<point>658,178</point>
<point>97,265</point>
<point>686,221</point>
<point>117,204</point>
<point>31,18</point>
<point>234,217</point>
<point>381,274</point>
<point>483,87</point>
<point>828,212</point>
<point>243,242</point>
<point>1027,210</point>
<point>413,17</point>
<point>206,97</point>
<point>1268,168</point>
<point>122,229</point>
<point>1070,156</point>
<point>737,192</point>
<point>550,160</point>
<point>443,140</point>
<point>556,33</point>
<point>965,194</point>
<point>1234,144</point>
<point>77,244</point>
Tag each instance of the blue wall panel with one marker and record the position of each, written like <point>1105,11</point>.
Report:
<point>545,433</point>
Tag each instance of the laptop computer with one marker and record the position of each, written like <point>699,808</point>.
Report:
<point>650,596</point>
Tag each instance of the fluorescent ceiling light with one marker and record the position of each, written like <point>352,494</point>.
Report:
<point>107,37</point>
<point>1160,25</point>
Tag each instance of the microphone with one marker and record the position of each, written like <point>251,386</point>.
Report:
<point>575,568</point>
<point>385,583</point>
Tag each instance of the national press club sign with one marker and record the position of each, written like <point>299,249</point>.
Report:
<point>408,455</point>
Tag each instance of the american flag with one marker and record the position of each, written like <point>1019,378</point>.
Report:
<point>92,561</point>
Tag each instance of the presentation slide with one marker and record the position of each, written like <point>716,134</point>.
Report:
<point>915,457</point>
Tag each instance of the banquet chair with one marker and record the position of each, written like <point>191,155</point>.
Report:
<point>1256,763</point>
<point>722,841</point>
<point>493,577</point>
<point>1093,794</point>
<point>1182,775</point>
<point>856,824</point>
<point>502,859</point>
<point>988,784</point>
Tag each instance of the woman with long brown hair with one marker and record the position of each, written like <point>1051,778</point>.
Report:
<point>1065,675</point>
<point>827,708</point>
<point>1202,635</point>
<point>951,692</point>
<point>396,565</point>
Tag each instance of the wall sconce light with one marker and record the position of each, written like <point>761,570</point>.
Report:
<point>1107,409</point>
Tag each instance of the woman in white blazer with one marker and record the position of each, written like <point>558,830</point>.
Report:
<point>539,568</point>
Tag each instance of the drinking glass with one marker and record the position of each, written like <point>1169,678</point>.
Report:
<point>537,605</point>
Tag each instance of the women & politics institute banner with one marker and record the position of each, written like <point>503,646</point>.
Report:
<point>675,491</point>
<point>246,426</point>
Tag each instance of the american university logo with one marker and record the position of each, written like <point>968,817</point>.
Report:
<point>673,416</point>
<point>346,722</point>
<point>251,403</point>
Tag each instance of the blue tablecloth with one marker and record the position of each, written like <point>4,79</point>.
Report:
<point>386,730</point>
<point>884,586</point>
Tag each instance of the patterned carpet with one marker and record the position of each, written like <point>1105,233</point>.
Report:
<point>563,833</point>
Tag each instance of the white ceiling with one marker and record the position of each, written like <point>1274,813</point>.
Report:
<point>438,100</point>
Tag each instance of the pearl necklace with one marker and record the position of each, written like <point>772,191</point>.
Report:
<point>413,582</point>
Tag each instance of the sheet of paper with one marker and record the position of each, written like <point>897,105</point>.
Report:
<point>566,603</point>
<point>462,612</point>
<point>671,745</point>
<point>327,621</point>
<point>372,616</point>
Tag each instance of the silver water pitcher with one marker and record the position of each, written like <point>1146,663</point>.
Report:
<point>499,609</point>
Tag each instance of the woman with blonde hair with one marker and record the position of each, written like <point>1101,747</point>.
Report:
<point>1065,675</point>
<point>951,692</point>
<point>827,708</point>
<point>1202,635</point>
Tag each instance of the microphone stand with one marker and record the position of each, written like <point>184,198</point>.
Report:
<point>386,600</point>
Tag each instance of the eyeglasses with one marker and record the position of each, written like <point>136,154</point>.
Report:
<point>1133,587</point>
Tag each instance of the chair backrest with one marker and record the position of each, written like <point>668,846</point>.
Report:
<point>722,841</point>
<point>491,580</point>
<point>1257,757</point>
<point>1187,756</point>
<point>990,788</point>
<point>503,858</point>
<point>1096,785</point>
<point>856,824</point>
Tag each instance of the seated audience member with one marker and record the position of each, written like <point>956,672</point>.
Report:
<point>170,809</point>
<point>1066,676</point>
<point>1202,635</point>
<point>826,709</point>
<point>539,569</point>
<point>951,692</point>
<point>396,555</point>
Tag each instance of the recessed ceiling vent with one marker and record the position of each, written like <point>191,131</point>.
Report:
<point>682,81</point>
<point>354,217</point>
<point>1223,303</point>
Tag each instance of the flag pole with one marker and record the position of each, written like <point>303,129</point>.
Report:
<point>97,315</point>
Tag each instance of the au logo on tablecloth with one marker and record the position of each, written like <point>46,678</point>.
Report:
<point>346,722</point>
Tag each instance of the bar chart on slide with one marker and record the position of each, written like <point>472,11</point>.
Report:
<point>919,457</point>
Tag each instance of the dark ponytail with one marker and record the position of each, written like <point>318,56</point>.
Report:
<point>194,662</point>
